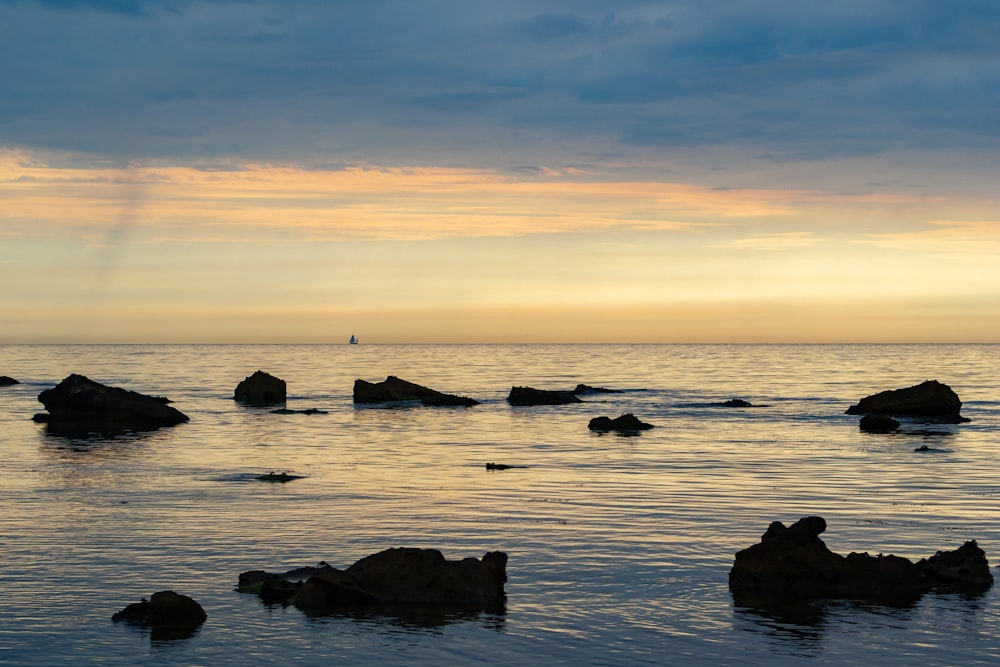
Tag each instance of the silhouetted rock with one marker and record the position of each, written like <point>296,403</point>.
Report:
<point>501,466</point>
<point>406,576</point>
<point>78,404</point>
<point>531,396</point>
<point>164,611</point>
<point>930,399</point>
<point>390,578</point>
<point>793,561</point>
<point>735,403</point>
<point>278,477</point>
<point>587,389</point>
<point>276,588</point>
<point>627,423</point>
<point>260,389</point>
<point>878,424</point>
<point>6,381</point>
<point>393,389</point>
<point>307,411</point>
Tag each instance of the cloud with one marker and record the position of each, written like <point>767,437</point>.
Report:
<point>783,241</point>
<point>493,87</point>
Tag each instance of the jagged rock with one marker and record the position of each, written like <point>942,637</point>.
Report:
<point>530,396</point>
<point>793,561</point>
<point>878,424</point>
<point>393,389</point>
<point>627,423</point>
<point>587,389</point>
<point>260,389</point>
<point>165,611</point>
<point>78,404</point>
<point>276,588</point>
<point>390,578</point>
<point>6,381</point>
<point>930,399</point>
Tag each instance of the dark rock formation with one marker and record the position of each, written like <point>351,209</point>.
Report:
<point>501,466</point>
<point>171,614</point>
<point>6,381</point>
<point>735,403</point>
<point>587,389</point>
<point>793,561</point>
<point>278,477</point>
<point>78,404</point>
<point>930,399</point>
<point>878,424</point>
<point>393,389</point>
<point>627,423</point>
<point>390,578</point>
<point>260,389</point>
<point>307,411</point>
<point>531,396</point>
<point>277,588</point>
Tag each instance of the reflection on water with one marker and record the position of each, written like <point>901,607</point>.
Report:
<point>619,547</point>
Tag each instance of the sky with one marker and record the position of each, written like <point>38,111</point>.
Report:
<point>421,171</point>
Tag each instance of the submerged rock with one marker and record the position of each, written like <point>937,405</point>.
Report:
<point>171,614</point>
<point>794,561</point>
<point>878,424</point>
<point>735,403</point>
<point>261,389</point>
<point>930,399</point>
<point>307,411</point>
<point>393,389</point>
<point>6,381</point>
<point>390,578</point>
<point>530,396</point>
<point>587,389</point>
<point>78,404</point>
<point>627,423</point>
<point>277,477</point>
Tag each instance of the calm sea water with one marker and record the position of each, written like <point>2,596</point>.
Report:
<point>619,546</point>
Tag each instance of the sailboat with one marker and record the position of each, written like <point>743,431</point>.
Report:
<point>353,341</point>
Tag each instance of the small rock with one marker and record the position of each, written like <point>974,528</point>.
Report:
<point>627,423</point>
<point>524,396</point>
<point>260,389</point>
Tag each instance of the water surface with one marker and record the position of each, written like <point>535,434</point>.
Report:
<point>619,546</point>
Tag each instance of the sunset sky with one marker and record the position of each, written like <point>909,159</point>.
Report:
<point>516,171</point>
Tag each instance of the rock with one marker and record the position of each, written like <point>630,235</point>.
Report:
<point>281,477</point>
<point>793,561</point>
<point>930,399</point>
<point>529,396</point>
<point>260,389</point>
<point>165,611</point>
<point>307,411</point>
<point>878,424</point>
<point>407,576</point>
<point>276,588</point>
<point>627,423</point>
<point>735,403</point>
<point>393,389</point>
<point>587,389</point>
<point>78,404</point>
<point>402,577</point>
<point>6,381</point>
<point>964,569</point>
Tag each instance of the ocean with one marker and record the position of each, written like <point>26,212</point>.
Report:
<point>619,547</point>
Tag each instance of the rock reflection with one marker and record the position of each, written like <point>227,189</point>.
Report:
<point>417,619</point>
